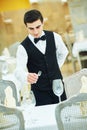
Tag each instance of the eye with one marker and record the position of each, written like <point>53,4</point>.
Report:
<point>31,28</point>
<point>38,26</point>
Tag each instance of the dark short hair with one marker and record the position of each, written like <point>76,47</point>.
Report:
<point>32,15</point>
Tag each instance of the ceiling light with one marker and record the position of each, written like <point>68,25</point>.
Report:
<point>33,1</point>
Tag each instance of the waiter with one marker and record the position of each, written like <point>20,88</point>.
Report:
<point>43,51</point>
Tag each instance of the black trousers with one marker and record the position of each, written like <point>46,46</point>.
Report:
<point>44,97</point>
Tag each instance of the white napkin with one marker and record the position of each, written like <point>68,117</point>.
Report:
<point>84,84</point>
<point>83,104</point>
<point>9,99</point>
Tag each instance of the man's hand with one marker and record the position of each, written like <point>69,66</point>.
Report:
<point>32,78</point>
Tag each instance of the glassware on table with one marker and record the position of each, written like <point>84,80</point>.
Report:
<point>57,87</point>
<point>28,101</point>
<point>31,100</point>
<point>28,105</point>
<point>4,68</point>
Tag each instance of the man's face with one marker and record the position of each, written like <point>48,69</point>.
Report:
<point>35,28</point>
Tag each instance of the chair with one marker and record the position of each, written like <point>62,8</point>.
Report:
<point>72,113</point>
<point>73,82</point>
<point>11,119</point>
<point>69,46</point>
<point>82,59</point>
<point>3,85</point>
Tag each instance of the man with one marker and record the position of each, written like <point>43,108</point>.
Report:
<point>46,55</point>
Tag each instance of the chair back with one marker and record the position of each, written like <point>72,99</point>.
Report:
<point>11,119</point>
<point>72,113</point>
<point>3,85</point>
<point>73,82</point>
<point>82,59</point>
<point>70,46</point>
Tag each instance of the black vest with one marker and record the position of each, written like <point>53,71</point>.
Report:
<point>47,63</point>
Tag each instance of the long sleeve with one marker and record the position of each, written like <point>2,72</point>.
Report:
<point>21,70</point>
<point>61,50</point>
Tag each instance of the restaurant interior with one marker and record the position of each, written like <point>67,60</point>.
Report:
<point>58,17</point>
<point>67,18</point>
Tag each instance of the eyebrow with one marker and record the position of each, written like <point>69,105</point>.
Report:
<point>35,27</point>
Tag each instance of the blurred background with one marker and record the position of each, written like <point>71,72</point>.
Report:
<point>66,17</point>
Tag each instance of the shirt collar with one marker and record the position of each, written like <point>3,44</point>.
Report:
<point>32,38</point>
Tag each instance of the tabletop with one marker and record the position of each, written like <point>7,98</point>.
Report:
<point>41,118</point>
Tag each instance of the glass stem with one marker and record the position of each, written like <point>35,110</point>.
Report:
<point>59,98</point>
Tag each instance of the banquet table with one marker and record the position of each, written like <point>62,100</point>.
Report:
<point>79,46</point>
<point>41,118</point>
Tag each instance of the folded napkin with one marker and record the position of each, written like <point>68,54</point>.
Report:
<point>84,84</point>
<point>9,99</point>
<point>83,104</point>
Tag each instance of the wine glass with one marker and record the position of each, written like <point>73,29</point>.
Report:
<point>28,105</point>
<point>57,87</point>
<point>4,68</point>
<point>29,101</point>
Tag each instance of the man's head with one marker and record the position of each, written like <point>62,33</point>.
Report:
<point>32,16</point>
<point>33,20</point>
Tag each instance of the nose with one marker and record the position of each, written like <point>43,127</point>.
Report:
<point>35,31</point>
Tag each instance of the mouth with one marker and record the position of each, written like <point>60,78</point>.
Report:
<point>36,35</point>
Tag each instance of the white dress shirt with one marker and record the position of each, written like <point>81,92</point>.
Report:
<point>22,57</point>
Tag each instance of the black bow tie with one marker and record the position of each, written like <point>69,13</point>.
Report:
<point>41,38</point>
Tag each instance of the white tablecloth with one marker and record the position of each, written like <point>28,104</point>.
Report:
<point>42,118</point>
<point>79,46</point>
